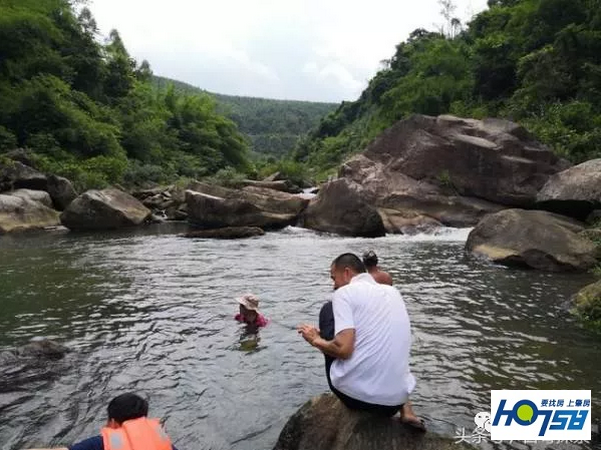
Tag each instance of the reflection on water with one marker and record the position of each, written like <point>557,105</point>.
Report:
<point>250,338</point>
<point>148,311</point>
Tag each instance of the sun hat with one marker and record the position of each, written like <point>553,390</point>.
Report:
<point>249,301</point>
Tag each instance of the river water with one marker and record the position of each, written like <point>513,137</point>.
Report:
<point>148,311</point>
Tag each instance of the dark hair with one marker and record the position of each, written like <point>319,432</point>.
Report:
<point>349,260</point>
<point>127,407</point>
<point>370,259</point>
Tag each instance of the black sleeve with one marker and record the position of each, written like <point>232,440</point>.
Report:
<point>93,443</point>
<point>326,322</point>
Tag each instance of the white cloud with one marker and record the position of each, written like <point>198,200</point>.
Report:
<point>336,73</point>
<point>305,49</point>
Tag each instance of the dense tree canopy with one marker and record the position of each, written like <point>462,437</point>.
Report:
<point>88,110</point>
<point>537,62</point>
<point>274,127</point>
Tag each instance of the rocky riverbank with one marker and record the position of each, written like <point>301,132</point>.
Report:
<point>529,208</point>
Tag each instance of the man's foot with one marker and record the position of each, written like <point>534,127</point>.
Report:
<point>414,422</point>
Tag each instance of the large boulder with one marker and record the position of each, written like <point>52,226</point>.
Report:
<point>265,199</point>
<point>407,222</point>
<point>344,207</point>
<point>575,192</point>
<point>20,214</point>
<point>451,211</point>
<point>37,196</point>
<point>208,211</point>
<point>324,423</point>
<point>492,159</point>
<point>535,239</point>
<point>587,305</point>
<point>61,191</point>
<point>16,175</point>
<point>104,210</point>
<point>452,170</point>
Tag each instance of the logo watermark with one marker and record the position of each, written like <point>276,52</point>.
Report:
<point>482,433</point>
<point>540,415</point>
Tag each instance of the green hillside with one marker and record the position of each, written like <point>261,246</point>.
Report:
<point>537,62</point>
<point>274,127</point>
<point>88,111</point>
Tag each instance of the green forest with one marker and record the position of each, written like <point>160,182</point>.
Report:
<point>274,127</point>
<point>537,62</point>
<point>89,111</point>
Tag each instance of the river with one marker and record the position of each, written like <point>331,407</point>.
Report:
<point>145,310</point>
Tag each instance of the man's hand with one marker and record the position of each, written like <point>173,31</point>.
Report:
<point>309,333</point>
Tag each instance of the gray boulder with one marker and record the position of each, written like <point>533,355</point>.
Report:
<point>21,214</point>
<point>37,348</point>
<point>37,196</point>
<point>16,175</point>
<point>265,199</point>
<point>451,210</point>
<point>324,423</point>
<point>61,191</point>
<point>492,159</point>
<point>535,239</point>
<point>207,212</point>
<point>104,210</point>
<point>345,208</point>
<point>452,170</point>
<point>575,192</point>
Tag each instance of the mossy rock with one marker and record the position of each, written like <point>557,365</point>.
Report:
<point>587,305</point>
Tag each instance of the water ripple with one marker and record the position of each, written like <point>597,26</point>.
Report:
<point>146,310</point>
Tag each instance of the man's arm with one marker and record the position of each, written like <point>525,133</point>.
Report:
<point>341,347</point>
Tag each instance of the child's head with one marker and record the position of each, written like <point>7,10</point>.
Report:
<point>126,407</point>
<point>249,306</point>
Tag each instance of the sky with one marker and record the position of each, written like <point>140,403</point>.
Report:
<point>317,50</point>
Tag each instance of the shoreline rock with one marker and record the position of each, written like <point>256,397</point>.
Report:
<point>22,214</point>
<point>534,239</point>
<point>344,207</point>
<point>324,423</point>
<point>575,192</point>
<point>587,305</point>
<point>104,210</point>
<point>451,170</point>
<point>207,212</point>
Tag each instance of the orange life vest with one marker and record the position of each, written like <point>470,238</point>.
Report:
<point>136,434</point>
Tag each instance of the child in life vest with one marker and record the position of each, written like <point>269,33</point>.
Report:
<point>127,428</point>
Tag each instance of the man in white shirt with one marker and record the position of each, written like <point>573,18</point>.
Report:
<point>367,361</point>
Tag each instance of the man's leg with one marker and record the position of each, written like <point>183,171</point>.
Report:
<point>358,405</point>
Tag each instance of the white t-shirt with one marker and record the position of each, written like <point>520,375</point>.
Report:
<point>378,370</point>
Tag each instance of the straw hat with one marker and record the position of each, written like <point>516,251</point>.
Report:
<point>249,301</point>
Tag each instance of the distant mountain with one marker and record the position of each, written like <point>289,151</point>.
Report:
<point>274,127</point>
